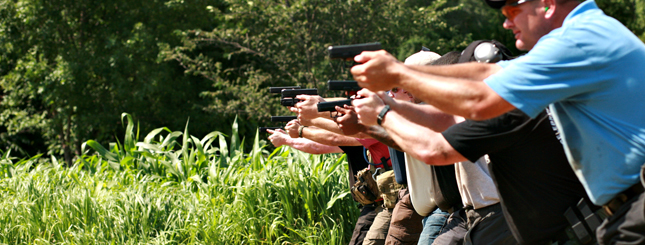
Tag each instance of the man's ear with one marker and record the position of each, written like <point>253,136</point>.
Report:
<point>549,8</point>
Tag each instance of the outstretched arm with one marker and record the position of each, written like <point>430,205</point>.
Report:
<point>421,142</point>
<point>279,138</point>
<point>418,140</point>
<point>455,89</point>
<point>320,135</point>
<point>349,124</point>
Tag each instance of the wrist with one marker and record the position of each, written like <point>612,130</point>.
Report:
<point>381,115</point>
<point>300,129</point>
<point>399,73</point>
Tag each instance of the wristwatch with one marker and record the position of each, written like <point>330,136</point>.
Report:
<point>300,130</point>
<point>379,118</point>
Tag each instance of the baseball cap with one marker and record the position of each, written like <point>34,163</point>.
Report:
<point>497,4</point>
<point>422,58</point>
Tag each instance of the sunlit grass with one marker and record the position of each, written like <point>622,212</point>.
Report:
<point>172,188</point>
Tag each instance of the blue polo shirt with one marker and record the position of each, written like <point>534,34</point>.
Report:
<point>591,72</point>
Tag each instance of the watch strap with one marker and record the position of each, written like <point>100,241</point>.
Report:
<point>381,115</point>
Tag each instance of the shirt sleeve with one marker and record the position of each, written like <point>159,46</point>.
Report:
<point>556,69</point>
<point>473,139</point>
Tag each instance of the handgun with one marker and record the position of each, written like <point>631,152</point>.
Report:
<point>278,119</point>
<point>346,85</point>
<point>331,106</point>
<point>289,95</point>
<point>283,118</point>
<point>277,90</point>
<point>349,51</point>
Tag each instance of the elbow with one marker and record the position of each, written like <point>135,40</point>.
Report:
<point>481,110</point>
<point>475,114</point>
<point>336,140</point>
<point>486,104</point>
<point>432,157</point>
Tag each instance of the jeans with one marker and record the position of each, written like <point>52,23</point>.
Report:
<point>432,226</point>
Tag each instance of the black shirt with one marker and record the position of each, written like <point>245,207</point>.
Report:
<point>529,167</point>
<point>355,159</point>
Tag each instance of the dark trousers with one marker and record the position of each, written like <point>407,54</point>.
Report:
<point>406,224</point>
<point>482,226</point>
<point>365,220</point>
<point>626,226</point>
<point>488,226</point>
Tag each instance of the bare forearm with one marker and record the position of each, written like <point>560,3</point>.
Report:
<point>380,134</point>
<point>468,98</point>
<point>425,115</point>
<point>312,147</point>
<point>419,141</point>
<point>328,138</point>
<point>470,71</point>
<point>326,124</point>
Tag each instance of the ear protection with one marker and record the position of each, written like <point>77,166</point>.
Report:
<point>546,9</point>
<point>487,52</point>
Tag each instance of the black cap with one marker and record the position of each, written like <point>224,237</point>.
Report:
<point>485,51</point>
<point>496,4</point>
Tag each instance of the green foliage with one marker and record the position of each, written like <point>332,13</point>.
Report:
<point>172,188</point>
<point>278,43</point>
<point>68,67</point>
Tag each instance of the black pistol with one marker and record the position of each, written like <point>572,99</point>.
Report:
<point>331,105</point>
<point>283,118</point>
<point>346,85</point>
<point>349,51</point>
<point>277,90</point>
<point>289,95</point>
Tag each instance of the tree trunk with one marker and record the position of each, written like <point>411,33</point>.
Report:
<point>66,142</point>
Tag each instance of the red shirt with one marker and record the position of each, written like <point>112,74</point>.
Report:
<point>377,149</point>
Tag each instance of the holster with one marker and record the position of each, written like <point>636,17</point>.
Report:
<point>365,190</point>
<point>584,218</point>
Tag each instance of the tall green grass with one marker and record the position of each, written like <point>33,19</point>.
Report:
<point>173,188</point>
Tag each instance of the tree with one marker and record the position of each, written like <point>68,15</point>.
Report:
<point>69,68</point>
<point>279,43</point>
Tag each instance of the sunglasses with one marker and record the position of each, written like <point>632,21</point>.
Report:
<point>511,10</point>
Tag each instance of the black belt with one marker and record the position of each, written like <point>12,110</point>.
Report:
<point>615,203</point>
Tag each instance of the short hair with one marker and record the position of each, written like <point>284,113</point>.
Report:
<point>449,58</point>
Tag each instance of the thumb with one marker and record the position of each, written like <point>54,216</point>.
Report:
<point>343,110</point>
<point>364,56</point>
